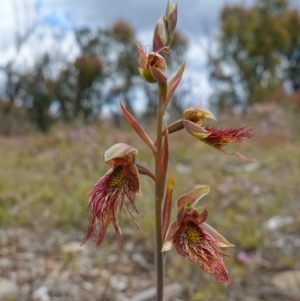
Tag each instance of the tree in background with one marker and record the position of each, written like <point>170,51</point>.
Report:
<point>292,23</point>
<point>78,88</point>
<point>75,88</point>
<point>25,29</point>
<point>123,75</point>
<point>258,48</point>
<point>34,91</point>
<point>104,67</point>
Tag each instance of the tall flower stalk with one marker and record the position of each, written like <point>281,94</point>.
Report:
<point>118,188</point>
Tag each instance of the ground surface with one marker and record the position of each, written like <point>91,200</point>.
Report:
<point>43,186</point>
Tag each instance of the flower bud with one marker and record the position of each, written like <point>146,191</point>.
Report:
<point>171,19</point>
<point>153,66</point>
<point>160,36</point>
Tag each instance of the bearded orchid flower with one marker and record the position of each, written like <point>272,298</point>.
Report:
<point>193,122</point>
<point>107,197</point>
<point>153,66</point>
<point>196,240</point>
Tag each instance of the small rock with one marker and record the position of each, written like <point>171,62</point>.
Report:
<point>87,285</point>
<point>121,297</point>
<point>119,282</point>
<point>277,222</point>
<point>112,258</point>
<point>73,247</point>
<point>41,294</point>
<point>250,298</point>
<point>24,276</point>
<point>288,282</point>
<point>171,290</point>
<point>183,168</point>
<point>245,168</point>
<point>129,246</point>
<point>6,263</point>
<point>8,289</point>
<point>141,261</point>
<point>64,287</point>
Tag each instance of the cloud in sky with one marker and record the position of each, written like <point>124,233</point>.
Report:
<point>198,19</point>
<point>193,15</point>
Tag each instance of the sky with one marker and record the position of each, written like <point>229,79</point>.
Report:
<point>197,19</point>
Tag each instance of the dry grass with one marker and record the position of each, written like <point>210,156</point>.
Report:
<point>44,181</point>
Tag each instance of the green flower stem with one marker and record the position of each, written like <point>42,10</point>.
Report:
<point>159,190</point>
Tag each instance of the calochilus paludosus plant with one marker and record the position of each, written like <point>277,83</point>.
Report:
<point>189,234</point>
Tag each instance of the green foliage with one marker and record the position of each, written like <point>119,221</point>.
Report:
<point>79,88</point>
<point>36,91</point>
<point>105,67</point>
<point>258,49</point>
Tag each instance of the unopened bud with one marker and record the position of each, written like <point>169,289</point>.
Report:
<point>160,36</point>
<point>171,20</point>
<point>153,65</point>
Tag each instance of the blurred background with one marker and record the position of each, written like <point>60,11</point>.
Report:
<point>63,65</point>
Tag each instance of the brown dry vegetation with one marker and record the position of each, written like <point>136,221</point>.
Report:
<point>43,184</point>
